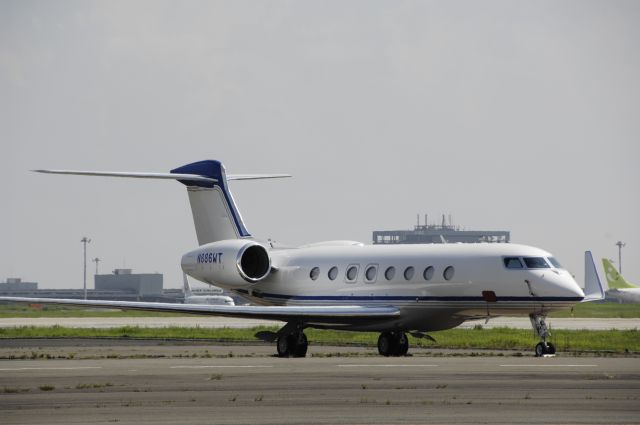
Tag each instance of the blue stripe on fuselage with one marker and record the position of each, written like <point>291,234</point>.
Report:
<point>409,298</point>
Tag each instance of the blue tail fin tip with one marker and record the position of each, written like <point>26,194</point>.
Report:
<point>215,170</point>
<point>208,168</point>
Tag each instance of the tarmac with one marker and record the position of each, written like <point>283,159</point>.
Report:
<point>221,322</point>
<point>67,381</point>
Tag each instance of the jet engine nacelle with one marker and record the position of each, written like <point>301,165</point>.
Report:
<point>231,263</point>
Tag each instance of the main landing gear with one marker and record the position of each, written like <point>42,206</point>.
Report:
<point>540,328</point>
<point>393,344</point>
<point>293,344</point>
<point>290,340</point>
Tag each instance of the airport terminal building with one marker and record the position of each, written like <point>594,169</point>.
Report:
<point>140,284</point>
<point>121,285</point>
<point>439,233</point>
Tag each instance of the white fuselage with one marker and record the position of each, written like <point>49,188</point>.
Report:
<point>624,295</point>
<point>478,284</point>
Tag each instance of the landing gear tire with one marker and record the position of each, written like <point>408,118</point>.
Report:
<point>283,345</point>
<point>543,348</point>
<point>386,344</point>
<point>403,345</point>
<point>393,344</point>
<point>551,349</point>
<point>301,345</point>
<point>292,345</point>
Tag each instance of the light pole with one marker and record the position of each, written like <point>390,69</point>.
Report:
<point>85,240</point>
<point>96,260</point>
<point>620,245</point>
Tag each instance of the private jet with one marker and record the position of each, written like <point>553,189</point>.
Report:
<point>393,290</point>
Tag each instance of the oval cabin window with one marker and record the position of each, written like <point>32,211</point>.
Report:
<point>333,273</point>
<point>370,273</point>
<point>390,273</point>
<point>315,272</point>
<point>352,273</point>
<point>409,272</point>
<point>428,273</point>
<point>448,273</point>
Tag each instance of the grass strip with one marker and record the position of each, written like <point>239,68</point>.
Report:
<point>616,341</point>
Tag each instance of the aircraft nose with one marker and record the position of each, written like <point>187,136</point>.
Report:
<point>570,288</point>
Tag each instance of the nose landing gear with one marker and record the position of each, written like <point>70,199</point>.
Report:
<point>543,348</point>
<point>393,344</point>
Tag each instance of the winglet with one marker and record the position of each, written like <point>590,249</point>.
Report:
<point>593,289</point>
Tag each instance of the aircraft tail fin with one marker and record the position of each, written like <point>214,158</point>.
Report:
<point>187,287</point>
<point>215,214</point>
<point>615,279</point>
<point>593,290</point>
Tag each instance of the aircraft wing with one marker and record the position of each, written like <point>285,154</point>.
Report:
<point>320,314</point>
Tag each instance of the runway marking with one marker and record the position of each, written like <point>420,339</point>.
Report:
<point>387,365</point>
<point>218,366</point>
<point>548,365</point>
<point>52,368</point>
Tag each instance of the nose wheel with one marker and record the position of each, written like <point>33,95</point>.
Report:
<point>539,324</point>
<point>393,344</point>
<point>545,348</point>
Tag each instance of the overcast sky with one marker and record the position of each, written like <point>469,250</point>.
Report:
<point>515,115</point>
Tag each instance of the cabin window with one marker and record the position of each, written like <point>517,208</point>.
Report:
<point>352,273</point>
<point>428,273</point>
<point>448,273</point>
<point>513,263</point>
<point>333,273</point>
<point>409,272</point>
<point>370,273</point>
<point>390,273</point>
<point>315,272</point>
<point>536,263</point>
<point>555,263</point>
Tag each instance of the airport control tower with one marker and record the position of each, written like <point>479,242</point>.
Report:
<point>439,233</point>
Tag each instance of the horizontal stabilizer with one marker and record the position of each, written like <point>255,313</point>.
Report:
<point>171,176</point>
<point>256,176</point>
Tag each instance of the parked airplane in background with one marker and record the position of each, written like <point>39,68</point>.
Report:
<point>393,290</point>
<point>189,298</point>
<point>619,289</point>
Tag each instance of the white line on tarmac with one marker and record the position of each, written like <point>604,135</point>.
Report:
<point>53,368</point>
<point>217,366</point>
<point>548,365</point>
<point>387,365</point>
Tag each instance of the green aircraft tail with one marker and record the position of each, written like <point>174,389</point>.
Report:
<point>615,279</point>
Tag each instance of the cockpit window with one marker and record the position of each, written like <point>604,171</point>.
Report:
<point>536,263</point>
<point>555,263</point>
<point>513,263</point>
